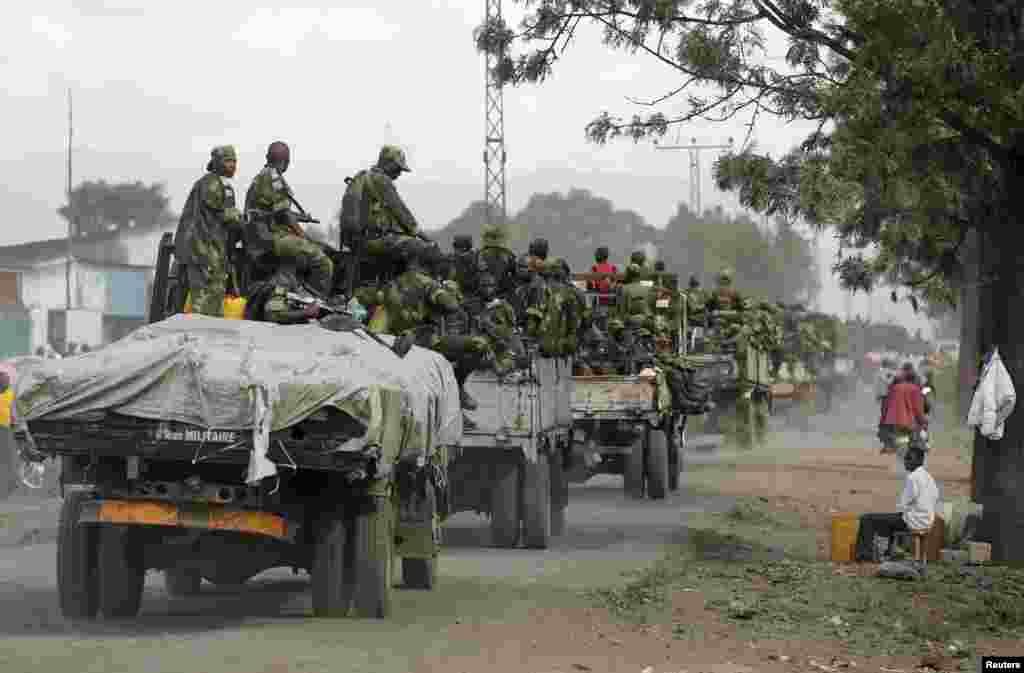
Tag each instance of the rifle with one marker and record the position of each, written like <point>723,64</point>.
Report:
<point>344,321</point>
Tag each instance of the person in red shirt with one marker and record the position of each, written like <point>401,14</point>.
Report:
<point>602,266</point>
<point>903,412</point>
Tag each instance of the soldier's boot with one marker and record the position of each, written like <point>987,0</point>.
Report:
<point>467,401</point>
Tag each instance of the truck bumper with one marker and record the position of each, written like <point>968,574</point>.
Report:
<point>192,516</point>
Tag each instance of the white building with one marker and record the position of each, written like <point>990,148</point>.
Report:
<point>110,277</point>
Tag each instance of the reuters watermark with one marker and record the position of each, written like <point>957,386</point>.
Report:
<point>1002,664</point>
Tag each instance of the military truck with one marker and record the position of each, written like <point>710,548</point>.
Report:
<point>741,374</point>
<point>511,466</point>
<point>625,421</point>
<point>215,449</point>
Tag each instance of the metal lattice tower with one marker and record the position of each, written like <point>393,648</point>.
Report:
<point>494,129</point>
<point>695,181</point>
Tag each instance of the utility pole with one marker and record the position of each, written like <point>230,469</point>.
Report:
<point>71,214</point>
<point>695,174</point>
<point>494,129</point>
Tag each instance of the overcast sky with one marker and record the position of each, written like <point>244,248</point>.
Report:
<point>155,85</point>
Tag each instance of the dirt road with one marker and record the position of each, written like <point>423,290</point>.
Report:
<point>266,627</point>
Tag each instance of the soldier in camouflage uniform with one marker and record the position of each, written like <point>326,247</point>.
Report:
<point>725,297</point>
<point>373,213</point>
<point>633,322</point>
<point>463,269</point>
<point>497,321</point>
<point>268,299</point>
<point>497,260</point>
<point>580,318</point>
<point>207,221</point>
<point>416,304</point>
<point>274,227</point>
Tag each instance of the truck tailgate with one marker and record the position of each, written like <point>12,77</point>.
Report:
<point>598,395</point>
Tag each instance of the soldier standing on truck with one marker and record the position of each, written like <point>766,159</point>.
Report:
<point>375,217</point>
<point>207,222</point>
<point>633,322</point>
<point>463,267</point>
<point>497,260</point>
<point>274,227</point>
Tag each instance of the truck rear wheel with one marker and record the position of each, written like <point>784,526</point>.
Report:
<point>331,597</point>
<point>121,572</point>
<point>373,545</point>
<point>77,582</point>
<point>537,503</point>
<point>505,508</point>
<point>633,475</point>
<point>182,581</point>
<point>419,573</point>
<point>656,461</point>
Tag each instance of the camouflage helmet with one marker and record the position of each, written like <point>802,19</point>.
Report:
<point>392,154</point>
<point>539,248</point>
<point>220,154</point>
<point>638,257</point>
<point>725,276</point>
<point>494,235</point>
<point>659,266</point>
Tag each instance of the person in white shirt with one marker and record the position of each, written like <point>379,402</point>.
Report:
<point>917,505</point>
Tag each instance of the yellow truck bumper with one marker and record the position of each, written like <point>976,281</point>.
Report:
<point>194,516</point>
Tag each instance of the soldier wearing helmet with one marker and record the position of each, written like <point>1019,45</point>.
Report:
<point>726,296</point>
<point>373,214</point>
<point>495,259</point>
<point>274,227</point>
<point>201,241</point>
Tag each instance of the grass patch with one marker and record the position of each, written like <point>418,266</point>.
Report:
<point>768,595</point>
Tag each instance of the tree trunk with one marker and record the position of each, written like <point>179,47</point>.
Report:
<point>997,480</point>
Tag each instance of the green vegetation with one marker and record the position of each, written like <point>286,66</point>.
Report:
<point>767,596</point>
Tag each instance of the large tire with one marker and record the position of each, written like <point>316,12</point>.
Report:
<point>633,476</point>
<point>656,461</point>
<point>331,594</point>
<point>182,581</point>
<point>121,572</point>
<point>373,546</point>
<point>537,503</point>
<point>77,582</point>
<point>505,508</point>
<point>419,573</point>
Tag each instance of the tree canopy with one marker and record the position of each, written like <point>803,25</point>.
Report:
<point>919,106</point>
<point>101,206</point>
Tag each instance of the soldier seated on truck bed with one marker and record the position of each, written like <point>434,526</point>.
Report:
<point>268,299</point>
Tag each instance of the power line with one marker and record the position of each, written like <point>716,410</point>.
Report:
<point>695,174</point>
